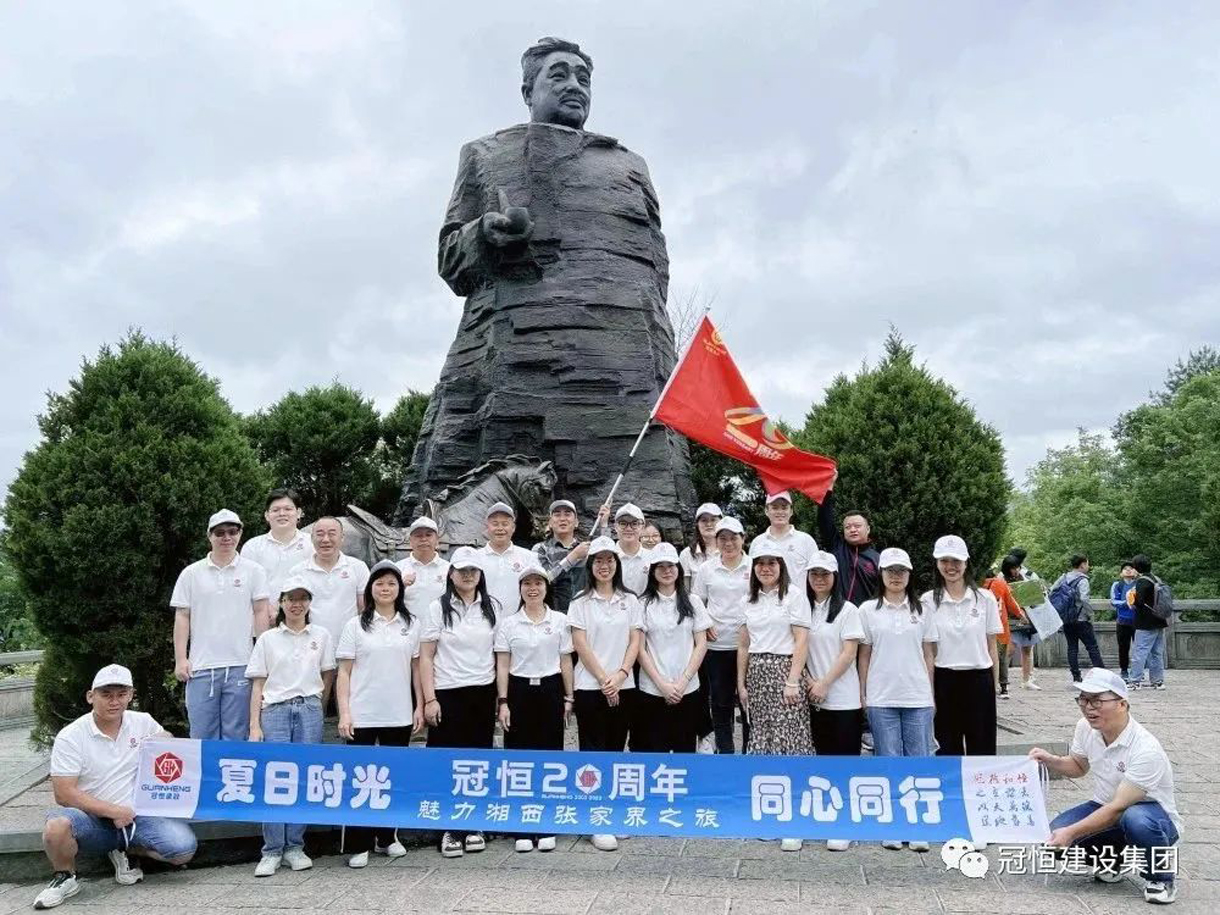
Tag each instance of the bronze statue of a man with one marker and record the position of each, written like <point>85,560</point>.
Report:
<point>553,234</point>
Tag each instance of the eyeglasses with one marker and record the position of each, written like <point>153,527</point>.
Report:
<point>628,522</point>
<point>1092,702</point>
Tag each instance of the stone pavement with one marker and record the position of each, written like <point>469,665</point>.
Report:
<point>717,877</point>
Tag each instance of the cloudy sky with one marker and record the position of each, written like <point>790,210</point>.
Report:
<point>1028,191</point>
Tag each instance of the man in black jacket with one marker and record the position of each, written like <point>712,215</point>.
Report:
<point>1149,628</point>
<point>853,548</point>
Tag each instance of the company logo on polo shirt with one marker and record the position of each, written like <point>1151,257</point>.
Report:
<point>237,582</point>
<point>167,768</point>
<point>588,779</point>
<point>313,645</point>
<point>1122,766</point>
<point>344,574</point>
<point>517,566</point>
<point>134,742</point>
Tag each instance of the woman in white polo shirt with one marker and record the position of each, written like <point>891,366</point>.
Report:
<point>895,661</point>
<point>457,672</point>
<point>702,546</point>
<point>534,677</point>
<point>290,667</point>
<point>723,584</point>
<point>964,681</point>
<point>675,625</point>
<point>378,657</point>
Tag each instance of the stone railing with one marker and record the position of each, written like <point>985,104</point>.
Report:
<point>1194,645</point>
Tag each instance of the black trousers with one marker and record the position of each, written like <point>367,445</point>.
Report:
<point>663,728</point>
<point>718,674</point>
<point>965,712</point>
<point>362,838</point>
<point>600,726</point>
<point>468,717</point>
<point>535,719</point>
<point>835,733</point>
<point>1125,633</point>
<point>1075,633</point>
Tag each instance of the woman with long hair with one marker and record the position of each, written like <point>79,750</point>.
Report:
<point>1023,635</point>
<point>966,671</point>
<point>896,660</point>
<point>457,672</point>
<point>702,546</point>
<point>378,678</point>
<point>674,625</point>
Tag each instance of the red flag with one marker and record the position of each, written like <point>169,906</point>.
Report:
<point>706,399</point>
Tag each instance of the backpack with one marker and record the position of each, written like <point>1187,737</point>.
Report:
<point>1066,599</point>
<point>1162,598</point>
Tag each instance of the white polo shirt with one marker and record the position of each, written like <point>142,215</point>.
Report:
<point>670,643</point>
<point>334,591</point>
<point>963,627</point>
<point>292,662</point>
<point>277,558</point>
<point>897,675</point>
<point>607,624</point>
<point>464,652</point>
<point>380,695</point>
<point>635,570</point>
<point>534,648</point>
<point>769,620</point>
<point>724,592</point>
<point>221,600</point>
<point>500,571</point>
<point>797,548</point>
<point>691,565</point>
<point>429,581</point>
<point>105,769</point>
<point>1135,755</point>
<point>826,644</point>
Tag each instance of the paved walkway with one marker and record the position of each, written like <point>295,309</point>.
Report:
<point>716,877</point>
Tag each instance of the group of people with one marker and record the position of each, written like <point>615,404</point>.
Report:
<point>649,649</point>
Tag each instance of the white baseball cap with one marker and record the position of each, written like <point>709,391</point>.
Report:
<point>630,510</point>
<point>662,552</point>
<point>465,557</point>
<point>112,675</point>
<point>531,568</point>
<point>423,522</point>
<point>730,524</point>
<point>950,546</point>
<point>224,516</point>
<point>708,508</point>
<point>602,544</point>
<point>892,556</point>
<point>298,583</point>
<point>824,561</point>
<point>783,494</point>
<point>1100,680</point>
<point>501,508</point>
<point>563,503</point>
<point>762,547</point>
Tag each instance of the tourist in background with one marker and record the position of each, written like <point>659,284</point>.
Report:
<point>1024,635</point>
<point>1080,629</point>
<point>1010,613</point>
<point>1124,615</point>
<point>1149,628</point>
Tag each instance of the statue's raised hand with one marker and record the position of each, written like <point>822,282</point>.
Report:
<point>511,225</point>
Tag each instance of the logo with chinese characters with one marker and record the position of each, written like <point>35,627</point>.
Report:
<point>167,768</point>
<point>1122,767</point>
<point>588,779</point>
<point>237,582</point>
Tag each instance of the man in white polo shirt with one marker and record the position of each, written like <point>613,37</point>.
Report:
<point>93,776</point>
<point>502,560</point>
<point>1133,802</point>
<point>285,544</point>
<point>796,547</point>
<point>629,524</point>
<point>423,570</point>
<point>335,579</point>
<point>220,605</point>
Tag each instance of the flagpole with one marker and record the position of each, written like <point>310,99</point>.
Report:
<point>648,422</point>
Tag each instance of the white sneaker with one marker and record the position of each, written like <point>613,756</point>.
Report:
<point>358,860</point>
<point>604,842</point>
<point>124,873</point>
<point>838,844</point>
<point>790,844</point>
<point>1160,893</point>
<point>267,866</point>
<point>523,845</point>
<point>62,886</point>
<point>706,744</point>
<point>394,850</point>
<point>475,841</point>
<point>297,859</point>
<point>918,846</point>
<point>451,847</point>
<point>1108,875</point>
<point>892,845</point>
<point>1031,683</point>
<point>546,843</point>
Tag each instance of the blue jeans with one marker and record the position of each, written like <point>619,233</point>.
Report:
<point>901,731</point>
<point>218,704</point>
<point>168,839</point>
<point>296,720</point>
<point>1145,825</point>
<point>1150,652</point>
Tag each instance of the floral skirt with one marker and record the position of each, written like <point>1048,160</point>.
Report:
<point>776,729</point>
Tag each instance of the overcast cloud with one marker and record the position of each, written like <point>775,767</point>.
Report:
<point>265,182</point>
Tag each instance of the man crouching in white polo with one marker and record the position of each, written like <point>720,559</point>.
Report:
<point>1132,821</point>
<point>94,763</point>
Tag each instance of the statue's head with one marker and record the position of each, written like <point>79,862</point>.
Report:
<point>557,82</point>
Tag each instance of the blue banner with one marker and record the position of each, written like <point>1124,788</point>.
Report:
<point>995,799</point>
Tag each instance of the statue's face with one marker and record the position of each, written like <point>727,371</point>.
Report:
<point>562,91</point>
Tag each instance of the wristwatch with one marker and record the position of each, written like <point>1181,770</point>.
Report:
<point>501,700</point>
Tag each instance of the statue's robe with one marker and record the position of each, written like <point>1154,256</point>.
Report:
<point>564,342</point>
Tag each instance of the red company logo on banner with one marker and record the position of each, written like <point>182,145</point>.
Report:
<point>167,768</point>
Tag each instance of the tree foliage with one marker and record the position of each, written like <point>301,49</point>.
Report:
<point>17,630</point>
<point>729,483</point>
<point>109,508</point>
<point>400,430</point>
<point>912,456</point>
